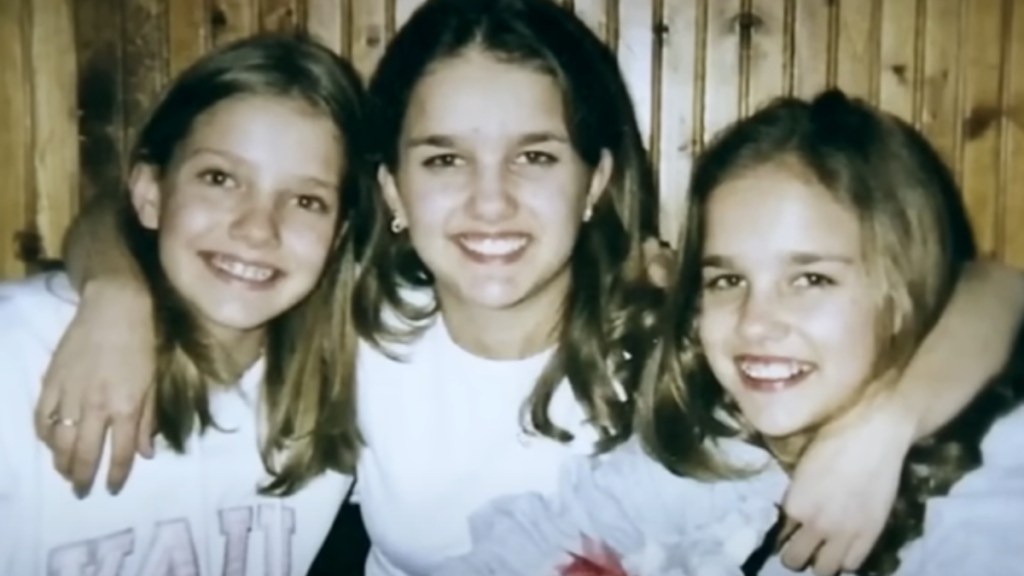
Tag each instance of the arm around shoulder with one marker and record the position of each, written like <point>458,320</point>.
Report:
<point>969,346</point>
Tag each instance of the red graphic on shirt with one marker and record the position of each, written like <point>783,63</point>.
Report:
<point>597,559</point>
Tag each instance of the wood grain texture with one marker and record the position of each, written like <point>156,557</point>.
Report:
<point>955,68</point>
<point>54,124</point>
<point>16,139</point>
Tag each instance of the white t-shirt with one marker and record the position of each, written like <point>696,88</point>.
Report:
<point>197,514</point>
<point>444,437</point>
<point>626,510</point>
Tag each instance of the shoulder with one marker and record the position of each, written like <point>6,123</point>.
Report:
<point>1003,445</point>
<point>41,306</point>
<point>978,528</point>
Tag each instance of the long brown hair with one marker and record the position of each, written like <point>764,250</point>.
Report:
<point>609,307</point>
<point>916,238</point>
<point>308,397</point>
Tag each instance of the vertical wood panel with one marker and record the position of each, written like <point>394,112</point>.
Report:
<point>722,65</point>
<point>812,47</point>
<point>16,132</point>
<point>635,50</point>
<point>763,39</point>
<point>678,93</point>
<point>980,115</point>
<point>595,14</point>
<point>54,123</point>
<point>940,115</point>
<point>953,67</point>
<point>898,64</point>
<point>188,33</point>
<point>369,33</point>
<point>230,19</point>
<point>1013,154</point>
<point>404,8</point>
<point>279,15</point>
<point>145,60</point>
<point>858,47</point>
<point>100,104</point>
<point>328,22</point>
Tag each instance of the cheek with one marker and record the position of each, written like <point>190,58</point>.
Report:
<point>307,240</point>
<point>183,218</point>
<point>428,201</point>
<point>714,330</point>
<point>847,341</point>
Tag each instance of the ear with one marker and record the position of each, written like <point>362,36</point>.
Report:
<point>600,178</point>
<point>390,189</point>
<point>144,186</point>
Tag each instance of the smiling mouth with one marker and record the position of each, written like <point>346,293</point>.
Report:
<point>493,248</point>
<point>241,271</point>
<point>771,374</point>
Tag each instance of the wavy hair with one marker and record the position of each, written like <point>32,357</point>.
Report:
<point>308,397</point>
<point>609,308</point>
<point>916,239</point>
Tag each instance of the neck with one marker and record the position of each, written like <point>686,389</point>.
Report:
<point>515,332</point>
<point>237,350</point>
<point>788,449</point>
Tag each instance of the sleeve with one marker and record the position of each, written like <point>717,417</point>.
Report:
<point>978,528</point>
<point>7,499</point>
<point>627,514</point>
<point>30,321</point>
<point>15,447</point>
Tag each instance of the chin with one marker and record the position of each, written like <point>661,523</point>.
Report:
<point>491,297</point>
<point>237,318</point>
<point>776,425</point>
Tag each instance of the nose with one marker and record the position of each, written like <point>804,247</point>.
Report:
<point>490,198</point>
<point>761,318</point>
<point>256,225</point>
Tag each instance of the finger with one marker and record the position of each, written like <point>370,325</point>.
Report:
<point>828,559</point>
<point>800,548</point>
<point>147,426</point>
<point>46,406</point>
<point>789,527</point>
<point>123,432</point>
<point>857,553</point>
<point>87,453</point>
<point>62,445</point>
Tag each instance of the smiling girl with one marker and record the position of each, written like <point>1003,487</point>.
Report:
<point>237,200</point>
<point>824,240</point>
<point>503,299</point>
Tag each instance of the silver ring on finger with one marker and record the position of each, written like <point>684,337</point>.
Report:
<point>58,420</point>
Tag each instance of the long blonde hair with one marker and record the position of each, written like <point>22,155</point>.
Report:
<point>916,240</point>
<point>308,394</point>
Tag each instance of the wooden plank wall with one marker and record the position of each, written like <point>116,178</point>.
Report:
<point>77,76</point>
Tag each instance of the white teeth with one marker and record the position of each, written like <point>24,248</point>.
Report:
<point>248,272</point>
<point>494,246</point>
<point>771,370</point>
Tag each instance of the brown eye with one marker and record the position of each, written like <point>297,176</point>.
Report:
<point>442,161</point>
<point>813,280</point>
<point>216,177</point>
<point>536,157</point>
<point>721,282</point>
<point>311,203</point>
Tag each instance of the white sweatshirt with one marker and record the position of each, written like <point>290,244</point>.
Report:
<point>653,523</point>
<point>197,514</point>
<point>444,437</point>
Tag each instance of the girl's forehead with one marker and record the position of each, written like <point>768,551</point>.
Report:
<point>477,94</point>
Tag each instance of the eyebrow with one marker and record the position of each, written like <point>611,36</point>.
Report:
<point>448,141</point>
<point>798,258</point>
<point>235,159</point>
